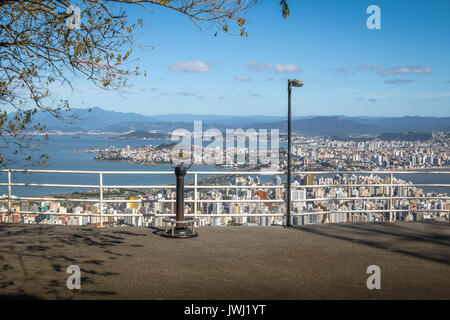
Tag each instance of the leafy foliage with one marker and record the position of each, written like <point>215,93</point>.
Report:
<point>38,52</point>
<point>285,9</point>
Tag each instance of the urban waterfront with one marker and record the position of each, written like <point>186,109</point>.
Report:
<point>64,155</point>
<point>236,198</point>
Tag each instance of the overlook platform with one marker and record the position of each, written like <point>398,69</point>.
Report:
<point>308,262</point>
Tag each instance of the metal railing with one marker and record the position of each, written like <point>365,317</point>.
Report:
<point>196,187</point>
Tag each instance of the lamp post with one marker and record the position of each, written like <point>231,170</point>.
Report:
<point>291,83</point>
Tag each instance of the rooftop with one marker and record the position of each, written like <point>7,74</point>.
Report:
<point>309,262</point>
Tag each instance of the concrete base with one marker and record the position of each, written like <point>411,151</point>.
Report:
<point>181,233</point>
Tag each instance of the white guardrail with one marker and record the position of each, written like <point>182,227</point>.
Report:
<point>196,187</point>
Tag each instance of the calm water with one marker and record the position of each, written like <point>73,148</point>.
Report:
<point>64,157</point>
<point>427,178</point>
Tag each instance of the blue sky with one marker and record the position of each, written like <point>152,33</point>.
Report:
<point>402,69</point>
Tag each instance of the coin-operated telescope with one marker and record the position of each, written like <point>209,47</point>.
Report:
<point>178,228</point>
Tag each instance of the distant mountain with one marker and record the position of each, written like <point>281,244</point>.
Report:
<point>409,123</point>
<point>103,120</point>
<point>84,120</point>
<point>326,126</point>
<point>99,120</point>
<point>334,125</point>
<point>218,119</point>
<point>144,135</point>
<point>410,136</point>
<point>159,126</point>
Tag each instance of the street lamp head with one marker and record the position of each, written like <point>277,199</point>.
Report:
<point>295,83</point>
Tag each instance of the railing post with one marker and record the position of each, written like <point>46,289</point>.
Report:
<point>195,196</point>
<point>9,196</point>
<point>391,194</point>
<point>101,199</point>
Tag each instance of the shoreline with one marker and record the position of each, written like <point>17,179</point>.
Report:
<point>446,168</point>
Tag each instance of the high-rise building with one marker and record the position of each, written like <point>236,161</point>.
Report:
<point>310,179</point>
<point>297,195</point>
<point>133,220</point>
<point>277,180</point>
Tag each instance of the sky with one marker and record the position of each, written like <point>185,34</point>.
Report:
<point>348,69</point>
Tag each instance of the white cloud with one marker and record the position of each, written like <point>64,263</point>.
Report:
<point>406,70</point>
<point>286,68</point>
<point>433,95</point>
<point>259,66</point>
<point>148,89</point>
<point>242,78</point>
<point>278,68</point>
<point>186,94</point>
<point>362,67</point>
<point>398,81</point>
<point>191,66</point>
<point>342,70</point>
<point>401,70</point>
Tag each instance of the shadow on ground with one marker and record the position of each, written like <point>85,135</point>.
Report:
<point>401,238</point>
<point>39,255</point>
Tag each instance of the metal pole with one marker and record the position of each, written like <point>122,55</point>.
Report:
<point>9,196</point>
<point>180,172</point>
<point>195,194</point>
<point>391,194</point>
<point>101,199</point>
<point>288,196</point>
